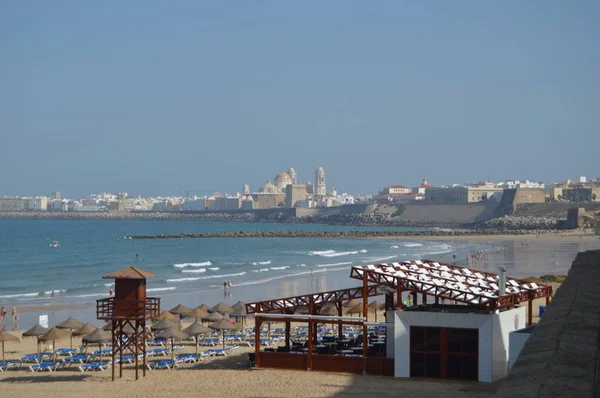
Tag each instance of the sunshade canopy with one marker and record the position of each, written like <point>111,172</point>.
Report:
<point>70,324</point>
<point>221,308</point>
<point>197,328</point>
<point>215,316</point>
<point>180,310</point>
<point>85,329</point>
<point>35,331</point>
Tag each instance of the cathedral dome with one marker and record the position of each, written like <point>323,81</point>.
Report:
<point>320,171</point>
<point>283,175</point>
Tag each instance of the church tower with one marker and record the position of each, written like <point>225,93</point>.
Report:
<point>320,186</point>
<point>292,174</point>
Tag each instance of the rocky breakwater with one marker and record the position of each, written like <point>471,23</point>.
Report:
<point>363,219</point>
<point>513,223</point>
<point>338,234</point>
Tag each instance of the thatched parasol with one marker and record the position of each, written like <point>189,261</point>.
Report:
<point>165,324</point>
<point>239,304</point>
<point>197,313</point>
<point>5,336</point>
<point>172,333</point>
<point>223,325</point>
<point>55,334</point>
<point>375,306</point>
<point>214,317</point>
<point>203,307</point>
<point>196,329</point>
<point>330,311</point>
<point>97,336</point>
<point>167,315</point>
<point>85,329</point>
<point>180,310</point>
<point>36,331</point>
<point>351,303</point>
<point>357,309</point>
<point>221,308</point>
<point>70,324</point>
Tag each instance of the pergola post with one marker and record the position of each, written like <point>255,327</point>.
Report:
<point>530,312</point>
<point>311,326</point>
<point>424,298</point>
<point>365,328</point>
<point>287,335</point>
<point>257,324</point>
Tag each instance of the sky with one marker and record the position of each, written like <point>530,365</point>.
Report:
<point>153,97</point>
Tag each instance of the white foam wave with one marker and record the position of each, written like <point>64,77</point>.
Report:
<point>183,265</point>
<point>214,268</point>
<point>20,295</point>
<point>412,244</point>
<point>195,271</point>
<point>395,247</point>
<point>48,292</point>
<point>261,270</point>
<point>262,262</point>
<point>321,252</point>
<point>334,264</point>
<point>90,295</point>
<point>161,289</point>
<point>301,265</point>
<point>363,251</point>
<point>205,277</point>
<point>280,268</point>
<point>378,260</point>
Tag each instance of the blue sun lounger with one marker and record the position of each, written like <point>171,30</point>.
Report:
<point>86,367</point>
<point>4,366</point>
<point>44,366</point>
<point>164,364</point>
<point>34,358</point>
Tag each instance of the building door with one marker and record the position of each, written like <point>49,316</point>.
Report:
<point>444,352</point>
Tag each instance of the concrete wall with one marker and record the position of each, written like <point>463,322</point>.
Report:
<point>516,341</point>
<point>561,357</point>
<point>456,213</point>
<point>502,325</point>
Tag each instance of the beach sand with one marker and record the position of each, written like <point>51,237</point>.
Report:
<point>218,377</point>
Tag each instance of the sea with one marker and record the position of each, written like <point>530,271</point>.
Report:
<point>191,271</point>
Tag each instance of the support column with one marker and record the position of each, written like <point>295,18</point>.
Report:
<point>365,328</point>
<point>437,300</point>
<point>287,335</point>
<point>311,328</point>
<point>530,312</point>
<point>257,323</point>
<point>424,298</point>
<point>114,347</point>
<point>138,340</point>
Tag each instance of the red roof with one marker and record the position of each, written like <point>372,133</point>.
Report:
<point>130,273</point>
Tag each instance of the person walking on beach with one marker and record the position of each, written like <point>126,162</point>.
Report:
<point>2,319</point>
<point>15,318</point>
<point>110,292</point>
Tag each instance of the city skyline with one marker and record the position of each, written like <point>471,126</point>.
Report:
<point>151,98</point>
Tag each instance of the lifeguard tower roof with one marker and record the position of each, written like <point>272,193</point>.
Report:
<point>130,273</point>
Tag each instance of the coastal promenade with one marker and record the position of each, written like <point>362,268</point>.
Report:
<point>562,356</point>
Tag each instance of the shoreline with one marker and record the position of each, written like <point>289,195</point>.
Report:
<point>392,235</point>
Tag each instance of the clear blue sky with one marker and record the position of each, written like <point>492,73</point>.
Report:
<point>150,97</point>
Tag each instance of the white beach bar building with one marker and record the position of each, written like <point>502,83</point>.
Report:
<point>463,332</point>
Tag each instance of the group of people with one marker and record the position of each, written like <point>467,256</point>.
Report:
<point>15,318</point>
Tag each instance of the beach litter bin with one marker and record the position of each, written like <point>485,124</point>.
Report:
<point>542,309</point>
<point>251,358</point>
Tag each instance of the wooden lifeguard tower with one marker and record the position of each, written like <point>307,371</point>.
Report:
<point>129,307</point>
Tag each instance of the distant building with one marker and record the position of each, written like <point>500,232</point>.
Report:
<point>294,193</point>
<point>422,188</point>
<point>525,195</point>
<point>293,175</point>
<point>320,182</point>
<point>246,189</point>
<point>399,194</point>
<point>581,194</point>
<point>470,194</point>
<point>197,204</point>
<point>55,195</point>
<point>266,200</point>
<point>227,203</point>
<point>39,203</point>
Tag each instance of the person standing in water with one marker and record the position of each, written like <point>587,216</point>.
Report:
<point>15,318</point>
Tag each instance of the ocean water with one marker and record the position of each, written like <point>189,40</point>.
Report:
<point>30,269</point>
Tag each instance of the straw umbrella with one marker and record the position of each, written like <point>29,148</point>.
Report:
<point>239,312</point>
<point>223,325</point>
<point>221,308</point>
<point>197,313</point>
<point>36,331</point>
<point>180,310</point>
<point>166,315</point>
<point>238,305</point>
<point>70,324</point>
<point>203,307</point>
<point>375,306</point>
<point>172,333</point>
<point>196,329</point>
<point>97,336</point>
<point>357,309</point>
<point>214,317</point>
<point>54,334</point>
<point>5,336</point>
<point>351,303</point>
<point>330,310</point>
<point>85,329</point>
<point>165,324</point>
